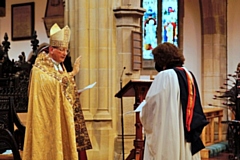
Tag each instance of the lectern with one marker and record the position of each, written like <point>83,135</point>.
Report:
<point>136,88</point>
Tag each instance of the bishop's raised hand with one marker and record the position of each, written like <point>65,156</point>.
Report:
<point>76,66</point>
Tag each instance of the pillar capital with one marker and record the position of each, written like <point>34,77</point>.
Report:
<point>128,16</point>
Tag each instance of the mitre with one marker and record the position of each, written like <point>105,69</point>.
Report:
<point>59,37</point>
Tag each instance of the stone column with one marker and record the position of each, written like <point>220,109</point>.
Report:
<point>214,50</point>
<point>128,15</point>
<point>94,38</point>
<point>214,47</point>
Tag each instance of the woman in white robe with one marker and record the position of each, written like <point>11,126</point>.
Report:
<point>162,116</point>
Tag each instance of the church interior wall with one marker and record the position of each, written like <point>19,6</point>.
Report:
<point>191,49</point>
<point>192,38</point>
<point>23,45</point>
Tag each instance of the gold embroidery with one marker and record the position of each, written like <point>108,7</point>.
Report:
<point>45,63</point>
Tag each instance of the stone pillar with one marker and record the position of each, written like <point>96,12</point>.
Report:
<point>214,47</point>
<point>93,36</point>
<point>128,18</point>
<point>214,51</point>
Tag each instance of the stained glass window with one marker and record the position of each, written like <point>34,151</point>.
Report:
<point>170,21</point>
<point>149,30</point>
<point>169,16</point>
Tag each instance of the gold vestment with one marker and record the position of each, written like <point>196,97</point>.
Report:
<point>55,127</point>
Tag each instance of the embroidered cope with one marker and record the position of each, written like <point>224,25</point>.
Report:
<point>55,127</point>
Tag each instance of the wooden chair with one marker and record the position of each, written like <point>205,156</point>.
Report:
<point>10,137</point>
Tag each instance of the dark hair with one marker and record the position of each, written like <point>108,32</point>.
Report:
<point>167,54</point>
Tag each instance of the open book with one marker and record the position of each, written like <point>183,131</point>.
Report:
<point>87,87</point>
